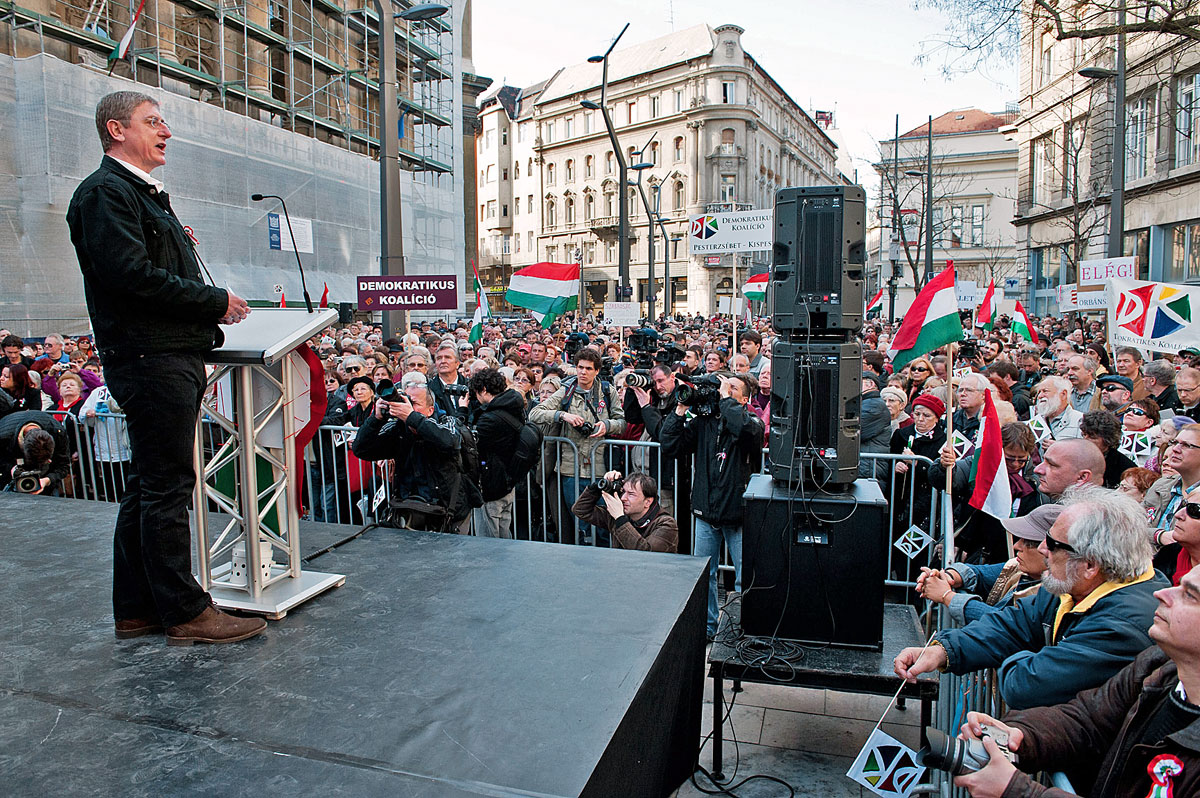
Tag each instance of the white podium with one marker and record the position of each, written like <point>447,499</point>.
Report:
<point>252,562</point>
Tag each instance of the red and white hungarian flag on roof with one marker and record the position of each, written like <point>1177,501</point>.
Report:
<point>989,475</point>
<point>990,309</point>
<point>546,289</point>
<point>1022,327</point>
<point>932,321</point>
<point>756,287</point>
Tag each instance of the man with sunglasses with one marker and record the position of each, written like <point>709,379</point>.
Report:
<point>1087,622</point>
<point>1116,393</point>
<point>1167,494</point>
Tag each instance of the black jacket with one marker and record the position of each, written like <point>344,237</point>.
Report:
<point>1169,400</point>
<point>426,451</point>
<point>10,450</point>
<point>497,429</point>
<point>875,426</point>
<point>445,401</point>
<point>141,278</point>
<point>726,445</point>
<point>1022,400</point>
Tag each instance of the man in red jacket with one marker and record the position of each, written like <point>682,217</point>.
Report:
<point>1135,736</point>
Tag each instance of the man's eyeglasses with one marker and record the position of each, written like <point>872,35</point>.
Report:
<point>1113,386</point>
<point>157,122</point>
<point>1053,545</point>
<point>1192,509</point>
<point>1184,444</point>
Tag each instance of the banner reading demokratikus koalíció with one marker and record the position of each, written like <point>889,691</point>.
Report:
<point>1152,316</point>
<point>735,231</point>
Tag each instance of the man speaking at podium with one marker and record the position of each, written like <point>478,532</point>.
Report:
<point>154,318</point>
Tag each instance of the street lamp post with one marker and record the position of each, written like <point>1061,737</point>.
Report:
<point>668,298</point>
<point>639,168</point>
<point>391,230</point>
<point>1116,210</point>
<point>928,201</point>
<point>622,168</point>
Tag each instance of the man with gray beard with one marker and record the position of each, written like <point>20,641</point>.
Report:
<point>1087,622</point>
<point>1053,406</point>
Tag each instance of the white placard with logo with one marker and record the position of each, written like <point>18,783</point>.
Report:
<point>736,231</point>
<point>1150,316</point>
<point>623,314</point>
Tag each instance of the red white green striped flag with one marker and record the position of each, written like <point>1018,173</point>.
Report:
<point>875,300</point>
<point>1022,327</point>
<point>990,309</point>
<point>546,289</point>
<point>756,287</point>
<point>482,311</point>
<point>932,321</point>
<point>122,48</point>
<point>992,494</point>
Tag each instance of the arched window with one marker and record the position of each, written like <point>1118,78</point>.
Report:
<point>678,195</point>
<point>529,168</point>
<point>570,170</point>
<point>610,203</point>
<point>589,208</point>
<point>551,214</point>
<point>570,211</point>
<point>589,167</point>
<point>678,148</point>
<point>654,153</point>
<point>549,174</point>
<point>610,161</point>
<point>516,169</point>
<point>727,141</point>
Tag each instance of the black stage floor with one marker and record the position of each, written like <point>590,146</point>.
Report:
<point>446,665</point>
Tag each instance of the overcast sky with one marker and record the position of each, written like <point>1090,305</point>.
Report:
<point>856,57</point>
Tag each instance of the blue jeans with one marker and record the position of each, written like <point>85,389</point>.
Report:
<point>571,488</point>
<point>708,544</point>
<point>324,494</point>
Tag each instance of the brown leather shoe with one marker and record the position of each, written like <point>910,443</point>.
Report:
<point>137,627</point>
<point>214,626</point>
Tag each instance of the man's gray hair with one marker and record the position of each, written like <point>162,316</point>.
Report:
<point>1059,384</point>
<point>1109,530</point>
<point>975,380</point>
<point>353,360</point>
<point>413,378</point>
<point>120,106</point>
<point>450,345</point>
<point>422,392</point>
<point>419,351</point>
<point>1162,371</point>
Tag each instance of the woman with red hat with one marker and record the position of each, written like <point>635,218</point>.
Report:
<point>923,437</point>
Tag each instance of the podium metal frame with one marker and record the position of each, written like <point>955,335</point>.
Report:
<point>248,365</point>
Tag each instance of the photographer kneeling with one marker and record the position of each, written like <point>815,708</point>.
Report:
<point>635,519</point>
<point>33,449</point>
<point>429,489</point>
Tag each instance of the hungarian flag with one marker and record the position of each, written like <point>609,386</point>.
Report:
<point>324,303</point>
<point>283,302</point>
<point>482,311</point>
<point>756,287</point>
<point>546,289</point>
<point>122,49</point>
<point>988,472</point>
<point>1022,327</point>
<point>309,372</point>
<point>874,301</point>
<point>932,321</point>
<point>989,310</point>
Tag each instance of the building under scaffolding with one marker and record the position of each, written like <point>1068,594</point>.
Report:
<point>270,96</point>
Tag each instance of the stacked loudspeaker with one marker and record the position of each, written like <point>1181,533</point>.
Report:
<point>817,310</point>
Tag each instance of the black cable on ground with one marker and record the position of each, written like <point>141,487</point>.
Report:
<point>339,544</point>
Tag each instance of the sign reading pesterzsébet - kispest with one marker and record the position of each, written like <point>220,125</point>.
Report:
<point>419,292</point>
<point>735,231</point>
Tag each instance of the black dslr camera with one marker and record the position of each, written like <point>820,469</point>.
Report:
<point>610,485</point>
<point>959,757</point>
<point>457,390</point>
<point>701,394</point>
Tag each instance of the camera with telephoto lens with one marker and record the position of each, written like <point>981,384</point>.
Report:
<point>457,390</point>
<point>639,378</point>
<point>610,485</point>
<point>575,342</point>
<point>958,757</point>
<point>27,480</point>
<point>386,390</point>
<point>968,349</point>
<point>670,354</point>
<point>701,394</point>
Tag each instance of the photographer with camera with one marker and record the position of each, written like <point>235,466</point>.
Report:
<point>448,386</point>
<point>1134,736</point>
<point>497,413</point>
<point>429,489</point>
<point>726,438</point>
<point>650,398</point>
<point>631,512</point>
<point>583,411</point>
<point>35,454</point>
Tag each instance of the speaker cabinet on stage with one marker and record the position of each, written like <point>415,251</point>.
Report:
<point>813,564</point>
<point>820,253</point>
<point>816,399</point>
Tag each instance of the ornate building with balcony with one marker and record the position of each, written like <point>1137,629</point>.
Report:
<point>718,132</point>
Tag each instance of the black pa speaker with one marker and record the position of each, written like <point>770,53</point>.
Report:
<point>345,313</point>
<point>814,564</point>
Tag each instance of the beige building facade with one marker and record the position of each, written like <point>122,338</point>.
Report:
<point>718,132</point>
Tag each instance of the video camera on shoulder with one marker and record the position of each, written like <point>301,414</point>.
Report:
<point>575,342</point>
<point>701,394</point>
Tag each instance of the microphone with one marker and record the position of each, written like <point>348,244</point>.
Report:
<point>295,249</point>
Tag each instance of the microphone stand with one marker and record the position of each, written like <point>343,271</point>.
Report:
<point>295,249</point>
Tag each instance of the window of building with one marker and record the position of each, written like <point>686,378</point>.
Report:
<point>1182,262</point>
<point>1187,121</point>
<point>678,101</point>
<point>956,226</point>
<point>1137,244</point>
<point>1139,136</point>
<point>517,207</point>
<point>507,245</point>
<point>589,167</point>
<point>655,106</point>
<point>504,211</point>
<point>728,92</point>
<point>517,243</point>
<point>728,188</point>
<point>677,149</point>
<point>677,198</point>
<point>550,174</point>
<point>727,139</point>
<point>491,173</point>
<point>570,211</point>
<point>516,169</point>
<point>552,254</point>
<point>504,137</point>
<point>551,214</point>
<point>491,209</point>
<point>529,236</point>
<point>504,175</point>
<point>569,127</point>
<point>1074,135</point>
<point>610,251</point>
<point>977,225</point>
<point>1042,165</point>
<point>610,202</point>
<point>589,207</point>
<point>529,205</point>
<point>588,116</point>
<point>570,167</point>
<point>654,153</point>
<point>488,137</point>
<point>589,252</point>
<point>1046,63</point>
<point>940,232</point>
<point>482,212</point>
<point>610,161</point>
<point>522,132</point>
<point>631,111</point>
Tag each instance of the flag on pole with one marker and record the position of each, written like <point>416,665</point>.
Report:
<point>482,311</point>
<point>875,301</point>
<point>282,300</point>
<point>546,289</point>
<point>756,287</point>
<point>989,310</point>
<point>122,49</point>
<point>1022,327</point>
<point>324,303</point>
<point>310,372</point>
<point>989,475</point>
<point>932,321</point>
